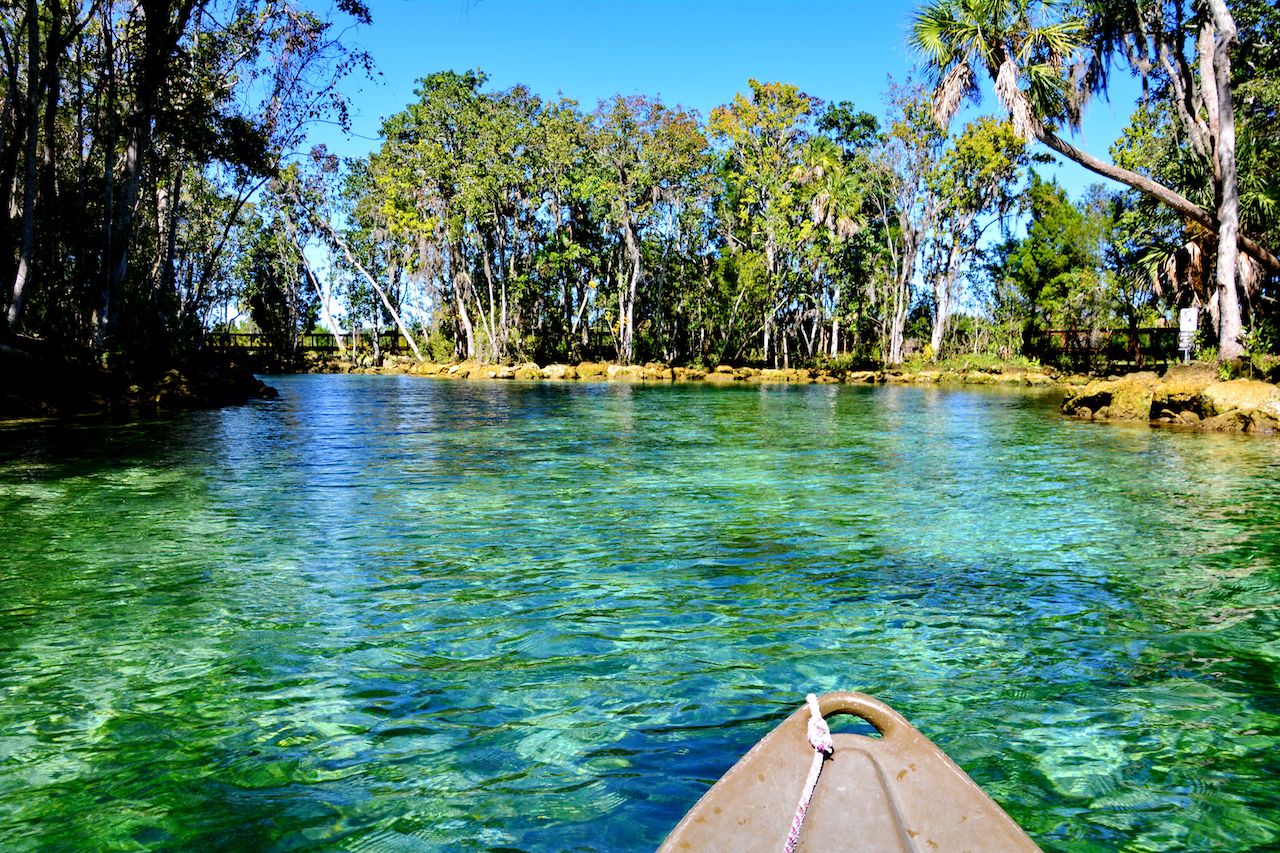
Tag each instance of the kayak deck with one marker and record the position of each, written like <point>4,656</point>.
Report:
<point>896,792</point>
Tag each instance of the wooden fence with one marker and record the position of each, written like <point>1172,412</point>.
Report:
<point>1099,347</point>
<point>323,342</point>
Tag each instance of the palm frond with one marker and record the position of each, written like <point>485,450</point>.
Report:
<point>1024,120</point>
<point>955,85</point>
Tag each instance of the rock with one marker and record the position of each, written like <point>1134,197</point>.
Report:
<point>173,392</point>
<point>1188,417</point>
<point>1234,421</point>
<point>657,372</point>
<point>1126,399</point>
<point>1247,395</point>
<point>862,377</point>
<point>721,377</point>
<point>527,371</point>
<point>504,372</point>
<point>770,375</point>
<point>624,373</point>
<point>593,370</point>
<point>1181,386</point>
<point>688,374</point>
<point>559,372</point>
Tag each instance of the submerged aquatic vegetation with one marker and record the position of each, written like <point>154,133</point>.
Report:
<point>387,613</point>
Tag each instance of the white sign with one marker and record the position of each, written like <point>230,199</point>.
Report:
<point>1188,323</point>
<point>1189,320</point>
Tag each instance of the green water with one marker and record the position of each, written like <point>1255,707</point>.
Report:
<point>398,614</point>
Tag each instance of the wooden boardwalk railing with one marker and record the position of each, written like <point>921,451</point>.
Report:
<point>323,342</point>
<point>1090,347</point>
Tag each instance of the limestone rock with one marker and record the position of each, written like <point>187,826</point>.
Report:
<point>592,370</point>
<point>688,374</point>
<point>655,371</point>
<point>173,392</point>
<point>1180,388</point>
<point>1247,395</point>
<point>1128,398</point>
<point>559,372</point>
<point>1240,420</point>
<point>527,371</point>
<point>624,373</point>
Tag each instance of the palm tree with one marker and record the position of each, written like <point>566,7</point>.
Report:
<point>835,206</point>
<point>1044,71</point>
<point>837,199</point>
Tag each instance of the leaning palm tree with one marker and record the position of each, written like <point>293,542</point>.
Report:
<point>1045,65</point>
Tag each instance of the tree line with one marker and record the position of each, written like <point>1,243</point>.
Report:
<point>136,139</point>
<point>152,195</point>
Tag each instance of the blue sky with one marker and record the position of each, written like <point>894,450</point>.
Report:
<point>696,53</point>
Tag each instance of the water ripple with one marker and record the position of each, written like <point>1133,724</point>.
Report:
<point>387,614</point>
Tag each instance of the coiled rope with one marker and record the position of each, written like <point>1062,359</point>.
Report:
<point>820,740</point>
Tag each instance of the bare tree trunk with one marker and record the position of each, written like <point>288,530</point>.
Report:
<point>835,325</point>
<point>460,300</point>
<point>627,294</point>
<point>1230,324</point>
<point>359,267</point>
<point>490,317</point>
<point>325,314</point>
<point>943,296</point>
<point>27,250</point>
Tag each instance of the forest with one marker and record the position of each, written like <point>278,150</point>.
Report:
<point>161,187</point>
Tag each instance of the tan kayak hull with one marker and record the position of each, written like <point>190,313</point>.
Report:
<point>897,792</point>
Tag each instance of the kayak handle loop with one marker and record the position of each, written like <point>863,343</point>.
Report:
<point>886,720</point>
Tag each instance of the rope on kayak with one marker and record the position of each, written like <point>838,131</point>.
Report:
<point>820,740</point>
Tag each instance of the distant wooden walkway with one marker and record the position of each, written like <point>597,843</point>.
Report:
<point>1092,347</point>
<point>322,342</point>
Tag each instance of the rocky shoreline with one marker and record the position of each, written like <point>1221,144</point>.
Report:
<point>721,375</point>
<point>1192,396</point>
<point>43,385</point>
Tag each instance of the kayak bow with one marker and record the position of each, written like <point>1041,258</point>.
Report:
<point>895,792</point>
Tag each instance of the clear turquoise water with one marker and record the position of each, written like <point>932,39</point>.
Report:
<point>399,614</point>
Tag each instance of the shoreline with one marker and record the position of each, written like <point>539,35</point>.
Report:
<point>721,375</point>
<point>1194,396</point>
<point>48,387</point>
